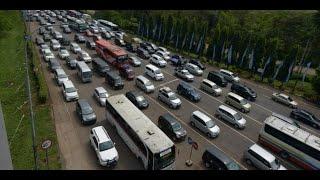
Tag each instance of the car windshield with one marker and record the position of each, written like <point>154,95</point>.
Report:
<point>157,71</point>
<point>290,99</point>
<point>140,98</point>
<point>48,53</point>
<point>233,166</point>
<point>185,72</point>
<point>106,145</point>
<point>63,76</point>
<point>275,164</point>
<point>172,96</point>
<point>148,83</point>
<point>64,52</point>
<point>176,126</point>
<point>237,116</point>
<point>103,95</point>
<point>71,89</point>
<point>210,124</point>
<point>87,110</point>
<point>243,102</point>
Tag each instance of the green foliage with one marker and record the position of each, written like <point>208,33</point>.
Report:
<point>316,82</point>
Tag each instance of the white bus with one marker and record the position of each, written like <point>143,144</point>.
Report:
<point>150,145</point>
<point>108,25</point>
<point>84,72</point>
<point>291,143</point>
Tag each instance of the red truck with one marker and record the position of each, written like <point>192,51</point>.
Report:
<point>111,53</point>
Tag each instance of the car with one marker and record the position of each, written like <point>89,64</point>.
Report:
<point>57,35</point>
<point>257,156</point>
<point>162,54</point>
<point>171,127</point>
<point>101,95</point>
<point>238,102</point>
<point>106,35</point>
<point>67,30</point>
<point>59,17</point>
<point>126,71</point>
<point>75,48</point>
<point>64,41</point>
<point>217,78</point>
<point>210,87</point>
<point>43,47</point>
<point>90,45</point>
<point>102,30</point>
<point>305,117</point>
<point>183,74</point>
<point>53,64</point>
<point>147,48</point>
<point>64,20</point>
<point>85,112</point>
<point>284,99</point>
<point>157,60</point>
<point>193,69</point>
<point>153,46</point>
<point>94,29</point>
<point>47,55</point>
<point>167,96</point>
<point>231,116</point>
<point>96,37</point>
<point>64,25</point>
<point>188,91</point>
<point>55,45</point>
<point>100,66</point>
<point>154,72</point>
<point>63,53</point>
<point>229,76</point>
<point>244,91</point>
<point>39,41</point>
<point>114,80</point>
<point>88,33</point>
<point>135,61</point>
<point>79,38</point>
<point>60,76</point>
<point>216,159</point>
<point>144,84</point>
<point>197,63</point>
<point>46,37</point>
<point>118,35</point>
<point>51,20</point>
<point>104,147</point>
<point>163,49</point>
<point>119,42</point>
<point>137,99</point>
<point>84,56</point>
<point>177,60</point>
<point>142,53</point>
<point>42,31</point>
<point>131,47</point>
<point>204,123</point>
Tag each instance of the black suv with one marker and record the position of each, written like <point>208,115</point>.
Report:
<point>100,66</point>
<point>217,78</point>
<point>137,99</point>
<point>85,112</point>
<point>79,38</point>
<point>114,80</point>
<point>90,45</point>
<point>305,117</point>
<point>244,91</point>
<point>217,160</point>
<point>197,63</point>
<point>188,91</point>
<point>143,53</point>
<point>71,62</point>
<point>171,127</point>
<point>64,41</point>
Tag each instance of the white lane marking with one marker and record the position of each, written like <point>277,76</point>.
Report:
<point>193,130</point>
<point>166,83</point>
<point>266,96</point>
<point>262,107</point>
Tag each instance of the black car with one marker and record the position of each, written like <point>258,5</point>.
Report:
<point>66,30</point>
<point>143,53</point>
<point>39,41</point>
<point>64,41</point>
<point>119,42</point>
<point>215,159</point>
<point>90,45</point>
<point>147,48</point>
<point>106,35</point>
<point>100,66</point>
<point>197,63</point>
<point>137,99</point>
<point>71,62</point>
<point>171,127</point>
<point>79,38</point>
<point>42,30</point>
<point>46,37</point>
<point>130,47</point>
<point>51,20</point>
<point>85,112</point>
<point>114,80</point>
<point>244,91</point>
<point>188,91</point>
<point>305,117</point>
<point>217,78</point>
<point>177,60</point>
<point>54,64</point>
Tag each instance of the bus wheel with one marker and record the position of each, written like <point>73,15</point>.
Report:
<point>284,154</point>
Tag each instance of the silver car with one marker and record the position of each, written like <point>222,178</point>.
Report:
<point>233,117</point>
<point>229,76</point>
<point>144,84</point>
<point>261,159</point>
<point>60,76</point>
<point>204,124</point>
<point>135,61</point>
<point>184,74</point>
<point>75,48</point>
<point>101,95</point>
<point>63,53</point>
<point>284,99</point>
<point>194,69</point>
<point>167,96</point>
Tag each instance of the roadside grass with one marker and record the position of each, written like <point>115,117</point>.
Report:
<point>14,98</point>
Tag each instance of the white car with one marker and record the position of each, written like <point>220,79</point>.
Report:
<point>157,60</point>
<point>229,76</point>
<point>43,47</point>
<point>63,53</point>
<point>103,146</point>
<point>163,55</point>
<point>102,29</point>
<point>194,69</point>
<point>164,50</point>
<point>47,55</point>
<point>167,96</point>
<point>94,29</point>
<point>75,48</point>
<point>101,95</point>
<point>84,56</point>
<point>135,61</point>
<point>55,45</point>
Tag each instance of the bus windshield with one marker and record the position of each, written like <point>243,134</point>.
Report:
<point>87,74</point>
<point>164,159</point>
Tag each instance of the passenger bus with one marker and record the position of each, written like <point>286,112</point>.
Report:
<point>147,142</point>
<point>291,142</point>
<point>108,25</point>
<point>84,72</point>
<point>76,24</point>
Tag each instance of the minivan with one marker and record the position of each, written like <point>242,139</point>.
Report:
<point>256,156</point>
<point>84,72</point>
<point>204,124</point>
<point>144,84</point>
<point>229,76</point>
<point>231,116</point>
<point>188,91</point>
<point>70,93</point>
<point>210,87</point>
<point>215,159</point>
<point>60,76</point>
<point>100,66</point>
<point>217,78</point>
<point>171,127</point>
<point>238,102</point>
<point>194,69</point>
<point>154,72</point>
<point>114,80</point>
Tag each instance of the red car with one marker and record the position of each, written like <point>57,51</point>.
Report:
<point>126,71</point>
<point>88,33</point>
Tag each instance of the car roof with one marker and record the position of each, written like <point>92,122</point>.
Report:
<point>142,78</point>
<point>262,152</point>
<point>171,119</point>
<point>83,102</point>
<point>60,71</point>
<point>226,71</point>
<point>68,83</point>
<point>101,90</point>
<point>102,134</point>
<point>226,108</point>
<point>283,95</point>
<point>166,89</point>
<point>235,95</point>
<point>201,115</point>
<point>209,82</point>
<point>219,154</point>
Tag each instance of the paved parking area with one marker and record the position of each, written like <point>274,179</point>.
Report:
<point>73,137</point>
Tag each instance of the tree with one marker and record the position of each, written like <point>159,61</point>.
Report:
<point>316,81</point>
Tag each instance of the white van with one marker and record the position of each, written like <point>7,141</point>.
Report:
<point>60,76</point>
<point>204,124</point>
<point>154,72</point>
<point>144,84</point>
<point>210,87</point>
<point>70,93</point>
<point>84,72</point>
